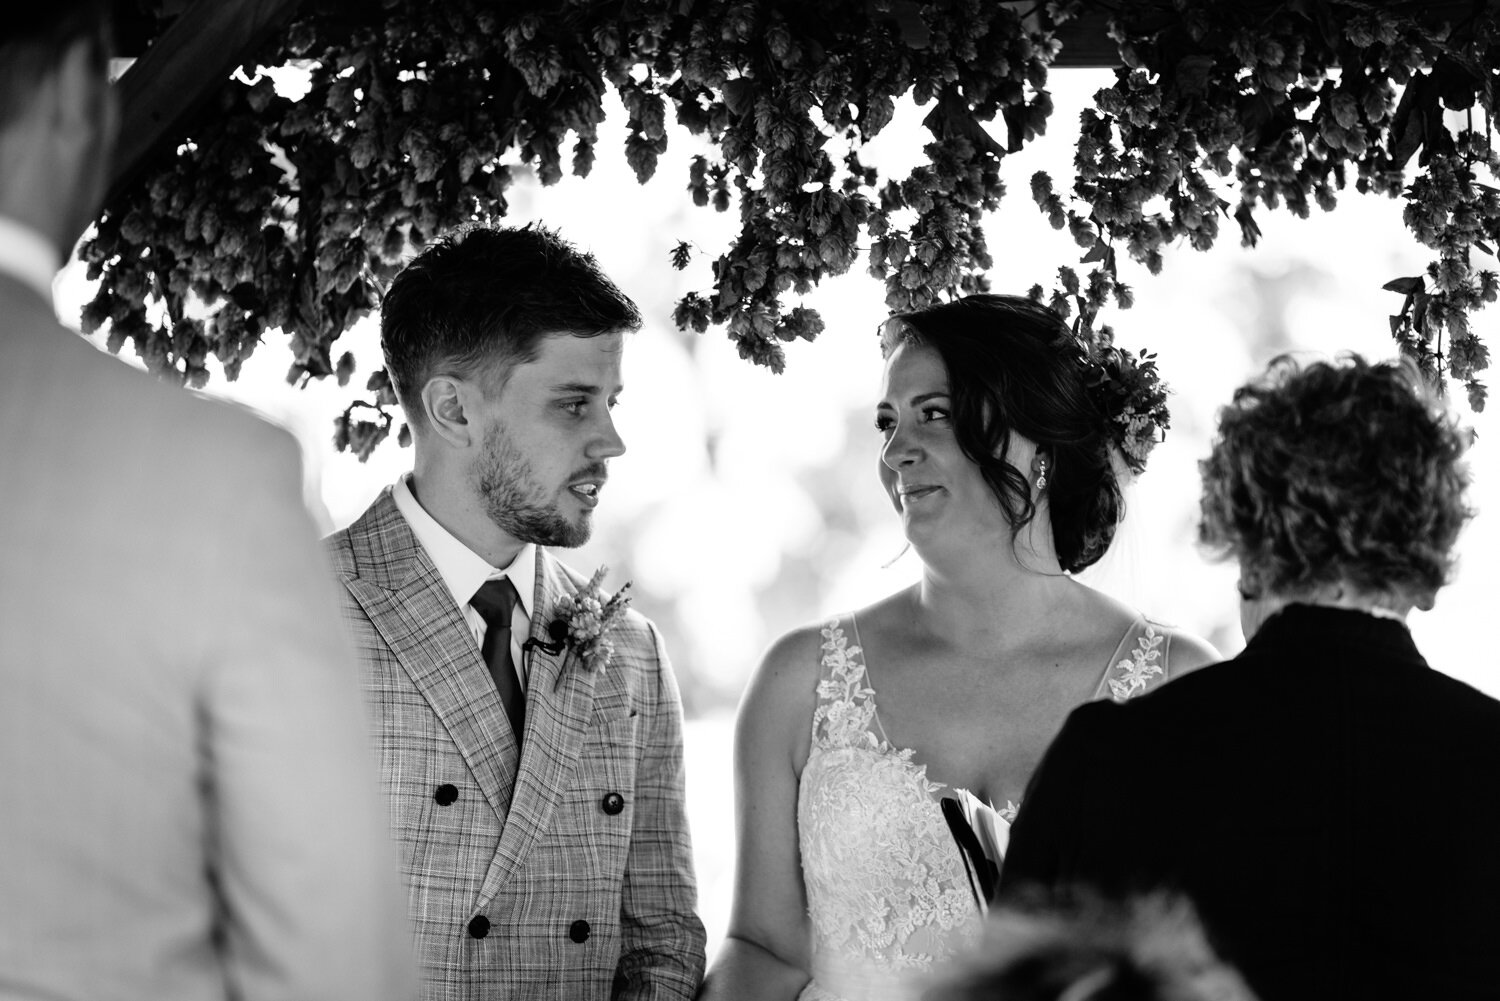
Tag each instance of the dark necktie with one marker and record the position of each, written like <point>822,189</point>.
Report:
<point>494,601</point>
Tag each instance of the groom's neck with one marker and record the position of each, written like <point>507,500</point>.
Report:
<point>463,515</point>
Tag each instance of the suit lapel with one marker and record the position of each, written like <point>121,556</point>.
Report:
<point>559,702</point>
<point>403,594</point>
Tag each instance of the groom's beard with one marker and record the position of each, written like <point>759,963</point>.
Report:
<point>517,503</point>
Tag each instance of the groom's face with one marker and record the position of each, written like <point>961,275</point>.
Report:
<point>548,436</point>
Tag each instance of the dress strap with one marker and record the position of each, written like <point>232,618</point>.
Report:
<point>1139,662</point>
<point>846,703</point>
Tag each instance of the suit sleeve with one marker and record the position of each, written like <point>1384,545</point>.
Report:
<point>1069,806</point>
<point>299,846</point>
<point>662,948</point>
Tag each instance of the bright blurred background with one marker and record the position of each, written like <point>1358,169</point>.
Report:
<point>747,503</point>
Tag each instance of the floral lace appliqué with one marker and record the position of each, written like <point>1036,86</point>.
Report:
<point>886,888</point>
<point>1136,671</point>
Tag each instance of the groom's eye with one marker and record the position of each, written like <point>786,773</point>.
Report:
<point>574,407</point>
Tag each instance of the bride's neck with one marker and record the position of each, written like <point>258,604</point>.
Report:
<point>972,608</point>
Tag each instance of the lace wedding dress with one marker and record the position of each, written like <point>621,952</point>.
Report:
<point>886,886</point>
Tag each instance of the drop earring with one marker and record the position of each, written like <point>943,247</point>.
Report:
<point>1040,466</point>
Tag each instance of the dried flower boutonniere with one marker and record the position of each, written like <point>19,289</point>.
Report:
<point>583,622</point>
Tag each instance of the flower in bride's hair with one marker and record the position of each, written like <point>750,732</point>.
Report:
<point>1139,438</point>
<point>1129,391</point>
<point>587,618</point>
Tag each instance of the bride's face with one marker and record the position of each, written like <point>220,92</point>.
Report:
<point>939,492</point>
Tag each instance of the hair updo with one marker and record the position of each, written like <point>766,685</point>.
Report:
<point>1014,366</point>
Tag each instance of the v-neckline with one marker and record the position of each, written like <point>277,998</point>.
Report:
<point>907,756</point>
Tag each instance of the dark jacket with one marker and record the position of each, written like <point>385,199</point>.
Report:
<point>1330,802</point>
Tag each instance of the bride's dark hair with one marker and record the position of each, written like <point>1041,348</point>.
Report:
<point>1013,365</point>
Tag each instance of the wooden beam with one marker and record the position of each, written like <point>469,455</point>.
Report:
<point>181,70</point>
<point>1086,42</point>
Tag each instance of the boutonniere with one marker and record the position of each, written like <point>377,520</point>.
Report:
<point>582,623</point>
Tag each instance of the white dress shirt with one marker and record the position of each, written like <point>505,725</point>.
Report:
<point>464,571</point>
<point>28,256</point>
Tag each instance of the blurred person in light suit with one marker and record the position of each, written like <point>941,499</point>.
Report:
<point>189,806</point>
<point>1333,801</point>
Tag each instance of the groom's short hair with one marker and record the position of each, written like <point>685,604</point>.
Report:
<point>481,299</point>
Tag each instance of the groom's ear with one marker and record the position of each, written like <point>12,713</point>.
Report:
<point>445,404</point>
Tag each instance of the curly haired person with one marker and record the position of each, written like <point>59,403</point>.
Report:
<point>1333,804</point>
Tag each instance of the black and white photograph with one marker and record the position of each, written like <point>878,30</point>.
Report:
<point>740,500</point>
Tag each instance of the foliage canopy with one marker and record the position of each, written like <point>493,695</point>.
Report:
<point>288,216</point>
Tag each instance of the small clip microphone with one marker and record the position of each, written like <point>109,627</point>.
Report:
<point>558,630</point>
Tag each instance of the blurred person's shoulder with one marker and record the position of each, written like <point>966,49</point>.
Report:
<point>89,412</point>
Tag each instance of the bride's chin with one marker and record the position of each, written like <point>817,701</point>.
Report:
<point>927,540</point>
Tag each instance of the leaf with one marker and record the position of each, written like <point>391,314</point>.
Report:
<point>1418,106</point>
<point>739,96</point>
<point>952,118</point>
<point>1419,312</point>
<point>1455,84</point>
<point>1406,286</point>
<point>910,25</point>
<point>1249,231</point>
<point>1192,73</point>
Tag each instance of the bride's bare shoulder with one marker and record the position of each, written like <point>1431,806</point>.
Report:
<point>1111,618</point>
<point>774,724</point>
<point>784,685</point>
<point>793,655</point>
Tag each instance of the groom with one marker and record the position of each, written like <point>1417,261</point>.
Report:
<point>536,793</point>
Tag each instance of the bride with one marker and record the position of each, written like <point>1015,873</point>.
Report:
<point>1002,438</point>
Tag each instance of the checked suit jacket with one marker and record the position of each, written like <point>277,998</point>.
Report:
<point>562,871</point>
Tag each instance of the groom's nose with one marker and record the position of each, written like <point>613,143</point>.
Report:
<point>608,443</point>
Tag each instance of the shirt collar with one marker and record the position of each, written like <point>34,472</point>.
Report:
<point>28,256</point>
<point>462,569</point>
